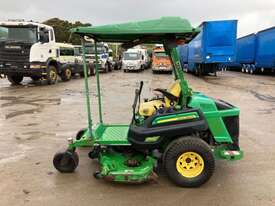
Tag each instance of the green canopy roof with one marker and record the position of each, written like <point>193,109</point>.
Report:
<point>150,31</point>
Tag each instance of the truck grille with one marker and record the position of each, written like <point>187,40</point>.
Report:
<point>20,55</point>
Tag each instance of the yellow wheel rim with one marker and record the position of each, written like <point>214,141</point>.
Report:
<point>190,164</point>
<point>68,72</point>
<point>53,75</point>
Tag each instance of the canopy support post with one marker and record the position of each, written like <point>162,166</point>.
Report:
<point>178,71</point>
<point>86,84</point>
<point>98,85</point>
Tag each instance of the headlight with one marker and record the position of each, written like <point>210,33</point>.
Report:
<point>35,66</point>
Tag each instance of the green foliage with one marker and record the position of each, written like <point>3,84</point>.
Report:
<point>114,47</point>
<point>62,30</point>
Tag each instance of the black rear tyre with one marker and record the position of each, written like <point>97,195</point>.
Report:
<point>189,162</point>
<point>15,79</point>
<point>66,162</point>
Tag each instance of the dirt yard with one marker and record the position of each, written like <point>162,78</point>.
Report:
<point>36,120</point>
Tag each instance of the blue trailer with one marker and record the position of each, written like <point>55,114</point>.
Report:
<point>265,52</point>
<point>255,52</point>
<point>246,52</point>
<point>215,44</point>
<point>183,53</point>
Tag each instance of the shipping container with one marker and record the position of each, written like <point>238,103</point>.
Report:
<point>215,44</point>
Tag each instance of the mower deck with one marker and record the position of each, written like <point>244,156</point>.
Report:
<point>119,167</point>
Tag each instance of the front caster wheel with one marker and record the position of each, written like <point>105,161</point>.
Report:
<point>97,175</point>
<point>80,133</point>
<point>66,162</point>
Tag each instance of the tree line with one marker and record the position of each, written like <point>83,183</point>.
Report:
<point>62,30</point>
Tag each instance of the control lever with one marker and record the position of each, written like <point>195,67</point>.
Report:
<point>137,98</point>
<point>140,87</point>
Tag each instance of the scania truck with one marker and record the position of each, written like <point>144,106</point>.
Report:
<point>29,49</point>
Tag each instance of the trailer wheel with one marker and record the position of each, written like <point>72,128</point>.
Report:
<point>189,162</point>
<point>66,74</point>
<point>15,79</point>
<point>51,74</point>
<point>66,162</point>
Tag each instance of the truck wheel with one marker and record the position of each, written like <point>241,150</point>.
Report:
<point>116,67</point>
<point>52,75</point>
<point>66,74</point>
<point>111,67</point>
<point>88,73</point>
<point>15,79</point>
<point>66,162</point>
<point>189,162</point>
<point>92,70</point>
<point>106,69</point>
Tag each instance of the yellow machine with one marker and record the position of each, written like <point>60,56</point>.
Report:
<point>148,108</point>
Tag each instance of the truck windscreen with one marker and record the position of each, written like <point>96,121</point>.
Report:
<point>91,50</point>
<point>131,56</point>
<point>160,54</point>
<point>25,34</point>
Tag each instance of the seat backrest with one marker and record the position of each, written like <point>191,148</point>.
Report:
<point>175,90</point>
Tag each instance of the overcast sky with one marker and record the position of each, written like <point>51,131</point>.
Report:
<point>253,15</point>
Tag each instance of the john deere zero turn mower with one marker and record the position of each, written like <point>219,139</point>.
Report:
<point>184,131</point>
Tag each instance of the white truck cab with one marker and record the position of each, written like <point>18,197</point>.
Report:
<point>105,56</point>
<point>146,58</point>
<point>133,59</point>
<point>28,49</point>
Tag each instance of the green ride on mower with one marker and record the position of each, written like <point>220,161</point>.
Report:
<point>182,131</point>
